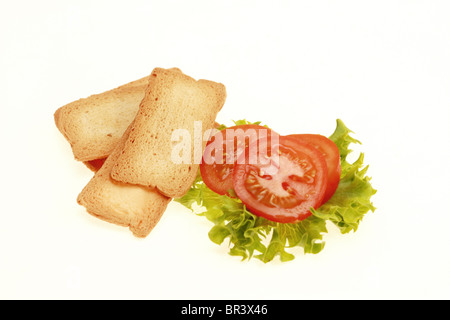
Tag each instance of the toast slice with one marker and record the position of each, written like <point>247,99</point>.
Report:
<point>139,208</point>
<point>94,125</point>
<point>173,101</point>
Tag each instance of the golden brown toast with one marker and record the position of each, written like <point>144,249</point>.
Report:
<point>172,101</point>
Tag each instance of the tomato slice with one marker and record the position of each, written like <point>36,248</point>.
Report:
<point>331,153</point>
<point>286,188</point>
<point>95,165</point>
<point>222,152</point>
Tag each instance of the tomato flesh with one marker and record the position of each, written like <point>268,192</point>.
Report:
<point>96,164</point>
<point>218,163</point>
<point>331,153</point>
<point>287,187</point>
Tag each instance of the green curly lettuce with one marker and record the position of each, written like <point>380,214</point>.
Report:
<point>252,236</point>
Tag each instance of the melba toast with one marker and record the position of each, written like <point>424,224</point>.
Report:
<point>93,126</point>
<point>137,207</point>
<point>172,101</point>
<point>124,136</point>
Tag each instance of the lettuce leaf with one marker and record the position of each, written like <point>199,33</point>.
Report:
<point>253,236</point>
<point>351,200</point>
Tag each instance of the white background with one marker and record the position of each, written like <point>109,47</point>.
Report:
<point>383,67</point>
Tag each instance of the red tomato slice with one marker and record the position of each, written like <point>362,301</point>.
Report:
<point>331,153</point>
<point>96,164</point>
<point>217,164</point>
<point>285,189</point>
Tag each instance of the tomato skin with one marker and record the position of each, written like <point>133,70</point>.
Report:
<point>331,153</point>
<point>288,195</point>
<point>219,177</point>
